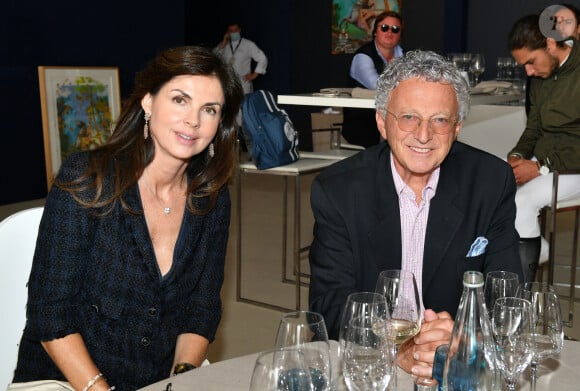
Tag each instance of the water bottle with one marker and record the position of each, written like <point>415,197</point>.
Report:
<point>469,361</point>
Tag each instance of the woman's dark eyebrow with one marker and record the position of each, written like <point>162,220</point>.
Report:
<point>189,97</point>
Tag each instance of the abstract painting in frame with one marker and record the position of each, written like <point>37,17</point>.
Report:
<point>352,22</point>
<point>79,107</point>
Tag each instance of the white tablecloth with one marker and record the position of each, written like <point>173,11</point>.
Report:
<point>494,129</point>
<point>558,374</point>
<point>367,101</point>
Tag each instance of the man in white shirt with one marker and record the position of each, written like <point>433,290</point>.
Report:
<point>239,52</point>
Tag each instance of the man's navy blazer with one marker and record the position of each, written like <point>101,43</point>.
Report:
<point>357,231</point>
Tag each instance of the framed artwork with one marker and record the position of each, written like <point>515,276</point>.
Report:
<point>352,22</point>
<point>79,107</point>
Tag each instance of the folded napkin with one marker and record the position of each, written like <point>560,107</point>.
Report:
<point>358,92</point>
<point>333,92</point>
<point>492,87</point>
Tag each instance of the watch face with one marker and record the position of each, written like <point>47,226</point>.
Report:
<point>554,21</point>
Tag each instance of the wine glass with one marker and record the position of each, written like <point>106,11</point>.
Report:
<point>548,327</point>
<point>281,370</point>
<point>357,305</point>
<point>513,332</point>
<point>306,331</point>
<point>477,66</point>
<point>499,284</point>
<point>367,357</point>
<point>399,288</point>
<point>500,69</point>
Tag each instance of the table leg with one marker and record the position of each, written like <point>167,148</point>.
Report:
<point>239,243</point>
<point>296,248</point>
<point>284,227</point>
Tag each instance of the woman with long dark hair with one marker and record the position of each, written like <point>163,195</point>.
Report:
<point>125,284</point>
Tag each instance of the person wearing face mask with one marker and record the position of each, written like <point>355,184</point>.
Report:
<point>239,52</point>
<point>359,126</point>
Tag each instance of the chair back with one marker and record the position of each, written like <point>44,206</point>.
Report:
<point>18,234</point>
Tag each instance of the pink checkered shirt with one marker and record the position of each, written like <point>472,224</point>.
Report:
<point>414,223</point>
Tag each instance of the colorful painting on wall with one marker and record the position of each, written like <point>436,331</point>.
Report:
<point>352,22</point>
<point>79,107</point>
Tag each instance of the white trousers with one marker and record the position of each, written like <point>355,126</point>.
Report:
<point>531,197</point>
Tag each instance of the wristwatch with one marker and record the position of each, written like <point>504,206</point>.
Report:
<point>182,367</point>
<point>542,170</point>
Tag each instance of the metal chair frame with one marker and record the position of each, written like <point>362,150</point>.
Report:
<point>555,208</point>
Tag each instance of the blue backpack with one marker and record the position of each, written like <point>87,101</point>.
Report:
<point>272,137</point>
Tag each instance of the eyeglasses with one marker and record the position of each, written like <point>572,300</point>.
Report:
<point>409,122</point>
<point>394,29</point>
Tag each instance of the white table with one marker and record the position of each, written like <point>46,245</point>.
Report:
<point>368,103</point>
<point>327,101</point>
<point>235,374</point>
<point>494,129</point>
<point>489,126</point>
<point>309,163</point>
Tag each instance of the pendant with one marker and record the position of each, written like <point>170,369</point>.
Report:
<point>166,210</point>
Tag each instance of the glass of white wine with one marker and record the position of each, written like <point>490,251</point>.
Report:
<point>399,288</point>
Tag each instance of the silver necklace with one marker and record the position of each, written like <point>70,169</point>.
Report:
<point>166,209</point>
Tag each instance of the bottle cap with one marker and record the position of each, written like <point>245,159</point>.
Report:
<point>472,279</point>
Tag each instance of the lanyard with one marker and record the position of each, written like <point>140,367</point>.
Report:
<point>237,46</point>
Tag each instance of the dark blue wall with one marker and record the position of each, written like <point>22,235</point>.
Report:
<point>72,33</point>
<point>295,34</point>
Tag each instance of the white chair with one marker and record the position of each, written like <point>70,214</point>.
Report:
<point>18,234</point>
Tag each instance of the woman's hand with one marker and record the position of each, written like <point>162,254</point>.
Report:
<point>416,355</point>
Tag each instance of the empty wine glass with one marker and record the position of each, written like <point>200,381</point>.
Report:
<point>499,284</point>
<point>367,357</point>
<point>281,370</point>
<point>500,69</point>
<point>306,331</point>
<point>548,327</point>
<point>477,66</point>
<point>513,333</point>
<point>359,305</point>
<point>399,288</point>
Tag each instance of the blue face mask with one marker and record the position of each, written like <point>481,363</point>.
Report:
<point>235,36</point>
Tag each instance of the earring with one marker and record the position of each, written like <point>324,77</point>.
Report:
<point>211,150</point>
<point>147,116</point>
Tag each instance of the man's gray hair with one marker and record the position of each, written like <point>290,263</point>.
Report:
<point>424,65</point>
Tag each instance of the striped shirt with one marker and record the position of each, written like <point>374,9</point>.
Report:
<point>414,223</point>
